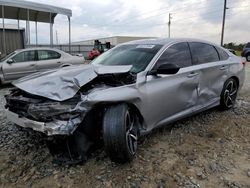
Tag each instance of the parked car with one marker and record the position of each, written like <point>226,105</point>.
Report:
<point>232,51</point>
<point>246,52</point>
<point>125,93</point>
<point>23,62</point>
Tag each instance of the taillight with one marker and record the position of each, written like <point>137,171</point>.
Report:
<point>243,61</point>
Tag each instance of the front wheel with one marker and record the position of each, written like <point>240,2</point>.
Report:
<point>229,94</point>
<point>120,133</point>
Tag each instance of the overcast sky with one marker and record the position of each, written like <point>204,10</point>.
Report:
<point>190,18</point>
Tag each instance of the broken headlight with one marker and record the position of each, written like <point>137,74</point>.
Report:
<point>53,110</point>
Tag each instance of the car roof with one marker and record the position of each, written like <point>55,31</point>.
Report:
<point>165,41</point>
<point>39,48</point>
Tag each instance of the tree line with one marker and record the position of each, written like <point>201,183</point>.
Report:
<point>234,46</point>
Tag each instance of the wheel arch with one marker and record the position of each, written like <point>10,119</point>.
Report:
<point>96,113</point>
<point>130,104</point>
<point>65,65</point>
<point>138,113</point>
<point>235,78</point>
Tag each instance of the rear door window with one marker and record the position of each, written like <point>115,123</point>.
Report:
<point>24,56</point>
<point>203,53</point>
<point>178,54</point>
<point>47,55</point>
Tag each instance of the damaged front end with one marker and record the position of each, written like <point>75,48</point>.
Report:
<point>59,110</point>
<point>45,115</point>
<point>72,124</point>
<point>70,135</point>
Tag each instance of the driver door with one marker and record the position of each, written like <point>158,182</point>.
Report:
<point>23,64</point>
<point>169,96</point>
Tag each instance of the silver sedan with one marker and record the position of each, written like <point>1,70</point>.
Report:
<point>23,62</point>
<point>126,92</point>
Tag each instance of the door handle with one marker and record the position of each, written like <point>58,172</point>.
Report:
<point>32,65</point>
<point>59,62</point>
<point>223,67</point>
<point>193,74</point>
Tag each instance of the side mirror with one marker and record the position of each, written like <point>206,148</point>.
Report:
<point>9,61</point>
<point>167,69</point>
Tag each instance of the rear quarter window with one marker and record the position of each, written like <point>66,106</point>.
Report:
<point>203,53</point>
<point>222,54</point>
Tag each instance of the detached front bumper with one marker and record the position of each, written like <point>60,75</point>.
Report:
<point>56,127</point>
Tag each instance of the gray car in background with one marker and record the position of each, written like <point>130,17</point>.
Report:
<point>125,93</point>
<point>23,62</point>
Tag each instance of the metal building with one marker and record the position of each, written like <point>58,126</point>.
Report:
<point>14,38</point>
<point>30,11</point>
<point>113,40</point>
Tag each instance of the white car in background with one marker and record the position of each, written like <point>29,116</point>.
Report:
<point>23,62</point>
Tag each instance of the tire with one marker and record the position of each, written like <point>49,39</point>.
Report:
<point>229,94</point>
<point>120,133</point>
<point>248,57</point>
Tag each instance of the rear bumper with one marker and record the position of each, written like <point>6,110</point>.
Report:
<point>49,128</point>
<point>242,77</point>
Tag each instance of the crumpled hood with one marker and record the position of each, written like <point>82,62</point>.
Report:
<point>64,83</point>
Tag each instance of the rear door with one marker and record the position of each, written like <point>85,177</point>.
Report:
<point>48,59</point>
<point>171,95</point>
<point>213,72</point>
<point>24,63</point>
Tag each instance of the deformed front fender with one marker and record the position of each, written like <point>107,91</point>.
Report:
<point>127,93</point>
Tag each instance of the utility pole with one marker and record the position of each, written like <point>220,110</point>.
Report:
<point>223,22</point>
<point>169,23</point>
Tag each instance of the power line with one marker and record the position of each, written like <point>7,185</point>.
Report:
<point>156,25</point>
<point>190,19</point>
<point>162,24</point>
<point>146,19</point>
<point>129,21</point>
<point>168,10</point>
<point>208,13</point>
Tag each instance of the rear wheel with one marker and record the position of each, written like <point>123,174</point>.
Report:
<point>229,94</point>
<point>120,133</point>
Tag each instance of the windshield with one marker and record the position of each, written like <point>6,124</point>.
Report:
<point>137,55</point>
<point>7,56</point>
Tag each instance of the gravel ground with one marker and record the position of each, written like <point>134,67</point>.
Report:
<point>211,149</point>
